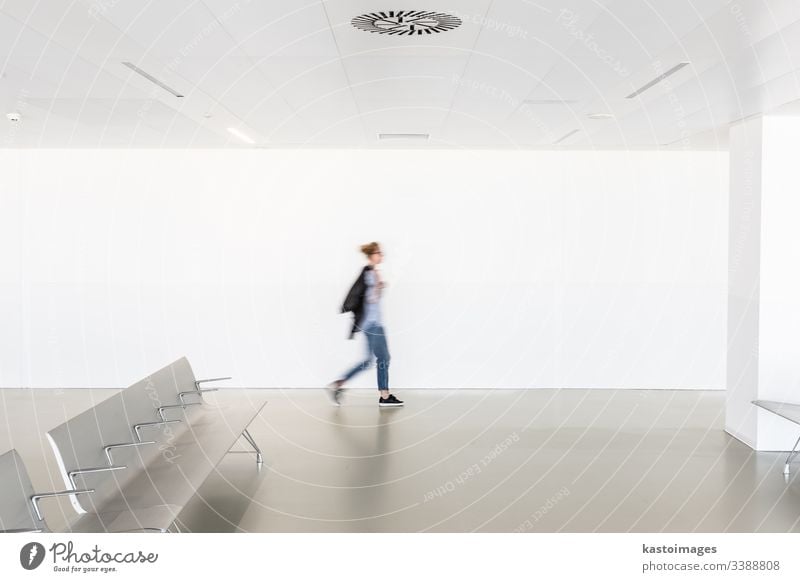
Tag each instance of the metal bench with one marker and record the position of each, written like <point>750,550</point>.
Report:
<point>19,504</point>
<point>789,412</point>
<point>147,449</point>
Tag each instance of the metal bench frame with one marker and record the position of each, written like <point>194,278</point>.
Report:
<point>775,408</point>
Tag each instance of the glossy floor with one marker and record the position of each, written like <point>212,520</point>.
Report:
<point>468,460</point>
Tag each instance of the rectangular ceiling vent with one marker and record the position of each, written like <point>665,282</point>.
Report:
<point>658,79</point>
<point>151,78</point>
<point>549,101</point>
<point>403,136</point>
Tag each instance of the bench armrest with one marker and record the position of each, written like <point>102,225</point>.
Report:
<point>198,382</point>
<point>74,472</point>
<point>136,427</point>
<point>36,497</point>
<point>161,409</point>
<point>108,448</point>
<point>198,392</point>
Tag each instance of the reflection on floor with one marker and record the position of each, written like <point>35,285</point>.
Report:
<point>468,460</point>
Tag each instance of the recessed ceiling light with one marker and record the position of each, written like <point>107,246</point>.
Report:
<point>600,115</point>
<point>403,136</point>
<point>658,79</point>
<point>406,22</point>
<point>242,136</point>
<point>565,136</point>
<point>151,78</point>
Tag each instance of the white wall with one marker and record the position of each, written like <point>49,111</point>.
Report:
<point>506,269</point>
<point>764,294</point>
<point>779,349</point>
<point>744,277</point>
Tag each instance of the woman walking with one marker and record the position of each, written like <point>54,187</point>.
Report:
<point>364,301</point>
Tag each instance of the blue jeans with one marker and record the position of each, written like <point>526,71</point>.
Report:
<point>376,344</point>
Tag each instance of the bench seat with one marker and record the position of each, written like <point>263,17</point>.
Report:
<point>168,482</point>
<point>785,409</point>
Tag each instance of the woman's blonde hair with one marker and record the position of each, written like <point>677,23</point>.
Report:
<point>370,248</point>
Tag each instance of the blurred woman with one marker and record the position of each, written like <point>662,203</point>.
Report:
<point>364,301</point>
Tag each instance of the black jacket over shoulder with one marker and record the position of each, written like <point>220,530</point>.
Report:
<point>354,302</point>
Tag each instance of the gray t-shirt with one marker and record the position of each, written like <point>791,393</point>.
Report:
<point>372,302</point>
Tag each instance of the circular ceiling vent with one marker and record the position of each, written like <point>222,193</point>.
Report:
<point>406,22</point>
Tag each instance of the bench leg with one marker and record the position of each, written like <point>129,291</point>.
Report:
<point>248,437</point>
<point>791,456</point>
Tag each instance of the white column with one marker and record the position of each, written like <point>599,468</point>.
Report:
<point>764,280</point>
<point>744,231</point>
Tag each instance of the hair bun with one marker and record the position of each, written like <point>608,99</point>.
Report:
<point>370,248</point>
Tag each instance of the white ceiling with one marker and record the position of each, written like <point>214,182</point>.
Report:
<point>295,73</point>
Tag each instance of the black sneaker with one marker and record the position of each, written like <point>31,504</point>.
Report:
<point>389,401</point>
<point>334,391</point>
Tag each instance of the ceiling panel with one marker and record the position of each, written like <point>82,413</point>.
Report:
<point>367,68</point>
<point>303,80</point>
<point>314,129</point>
<point>492,90</point>
<point>77,26</point>
<point>236,83</point>
<point>465,130</point>
<point>513,27</point>
<point>173,29</point>
<point>269,29</point>
<point>331,134</point>
<point>417,90</point>
<point>328,109</point>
